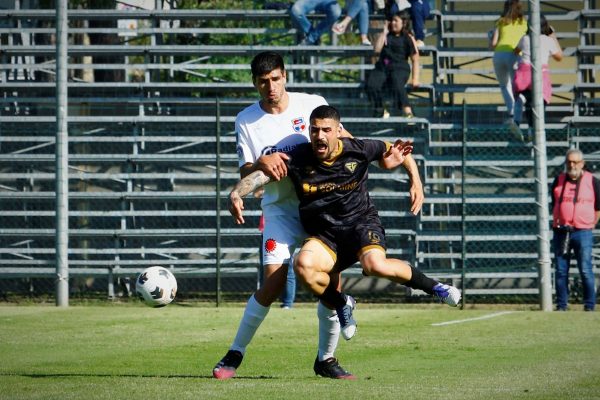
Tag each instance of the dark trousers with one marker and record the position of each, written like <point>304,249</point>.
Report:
<point>379,77</point>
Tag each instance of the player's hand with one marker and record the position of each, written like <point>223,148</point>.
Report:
<point>273,165</point>
<point>236,207</point>
<point>396,154</point>
<point>417,197</point>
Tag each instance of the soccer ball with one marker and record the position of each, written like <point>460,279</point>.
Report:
<point>156,286</point>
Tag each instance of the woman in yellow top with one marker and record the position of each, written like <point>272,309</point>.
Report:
<point>509,29</point>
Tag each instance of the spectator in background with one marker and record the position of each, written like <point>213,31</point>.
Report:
<point>394,47</point>
<point>419,10</point>
<point>312,34</point>
<point>509,29</point>
<point>575,212</point>
<point>355,8</point>
<point>522,81</point>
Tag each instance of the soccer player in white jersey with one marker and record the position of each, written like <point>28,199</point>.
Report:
<point>277,123</point>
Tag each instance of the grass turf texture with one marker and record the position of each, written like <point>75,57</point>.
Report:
<point>135,352</point>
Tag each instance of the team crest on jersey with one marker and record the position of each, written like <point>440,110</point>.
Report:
<point>270,245</point>
<point>298,124</point>
<point>351,166</point>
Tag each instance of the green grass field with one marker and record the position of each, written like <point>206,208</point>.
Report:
<point>120,351</point>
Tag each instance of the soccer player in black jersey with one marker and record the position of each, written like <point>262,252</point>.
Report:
<point>329,176</point>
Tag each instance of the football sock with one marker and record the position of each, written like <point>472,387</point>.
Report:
<point>420,281</point>
<point>254,315</point>
<point>329,332</point>
<point>333,297</point>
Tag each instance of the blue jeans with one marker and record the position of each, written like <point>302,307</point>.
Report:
<point>419,12</point>
<point>580,244</point>
<point>359,8</point>
<point>302,8</point>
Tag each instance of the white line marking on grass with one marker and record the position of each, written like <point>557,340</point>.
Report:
<point>460,321</point>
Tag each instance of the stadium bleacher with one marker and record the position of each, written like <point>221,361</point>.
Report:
<point>152,143</point>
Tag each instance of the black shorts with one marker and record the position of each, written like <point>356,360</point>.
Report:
<point>347,242</point>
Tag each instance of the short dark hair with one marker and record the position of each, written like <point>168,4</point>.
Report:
<point>325,112</point>
<point>265,62</point>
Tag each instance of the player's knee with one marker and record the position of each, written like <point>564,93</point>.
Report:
<point>373,266</point>
<point>304,266</point>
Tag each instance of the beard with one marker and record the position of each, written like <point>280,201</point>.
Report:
<point>574,173</point>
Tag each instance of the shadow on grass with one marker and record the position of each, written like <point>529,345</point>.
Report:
<point>81,375</point>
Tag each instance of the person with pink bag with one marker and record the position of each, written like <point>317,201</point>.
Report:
<point>522,86</point>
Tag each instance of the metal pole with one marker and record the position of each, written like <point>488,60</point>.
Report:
<point>62,159</point>
<point>541,167</point>
<point>463,216</point>
<point>218,197</point>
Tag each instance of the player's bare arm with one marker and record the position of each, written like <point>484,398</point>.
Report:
<point>273,165</point>
<point>417,196</point>
<point>400,154</point>
<point>396,154</point>
<point>246,185</point>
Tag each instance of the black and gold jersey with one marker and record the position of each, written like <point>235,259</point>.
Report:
<point>334,192</point>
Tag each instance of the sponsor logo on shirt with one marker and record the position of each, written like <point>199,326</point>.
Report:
<point>274,149</point>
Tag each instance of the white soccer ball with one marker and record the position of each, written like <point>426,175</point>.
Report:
<point>156,286</point>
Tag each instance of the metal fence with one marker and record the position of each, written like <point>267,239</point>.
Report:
<point>151,164</point>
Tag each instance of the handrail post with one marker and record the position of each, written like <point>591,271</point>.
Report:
<point>218,198</point>
<point>62,158</point>
<point>463,206</point>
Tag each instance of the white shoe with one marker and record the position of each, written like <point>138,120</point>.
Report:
<point>386,114</point>
<point>347,323</point>
<point>448,294</point>
<point>420,43</point>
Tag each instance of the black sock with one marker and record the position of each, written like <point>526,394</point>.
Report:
<point>420,281</point>
<point>333,297</point>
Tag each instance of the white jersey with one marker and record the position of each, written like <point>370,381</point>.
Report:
<point>260,133</point>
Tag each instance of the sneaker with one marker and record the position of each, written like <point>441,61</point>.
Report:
<point>366,42</point>
<point>225,368</point>
<point>330,368</point>
<point>307,42</point>
<point>347,323</point>
<point>515,130</point>
<point>446,293</point>
<point>386,114</point>
<point>420,43</point>
<point>338,29</point>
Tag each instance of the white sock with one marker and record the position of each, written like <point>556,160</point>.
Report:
<point>254,315</point>
<point>329,332</point>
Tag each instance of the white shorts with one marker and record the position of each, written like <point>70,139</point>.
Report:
<point>281,236</point>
